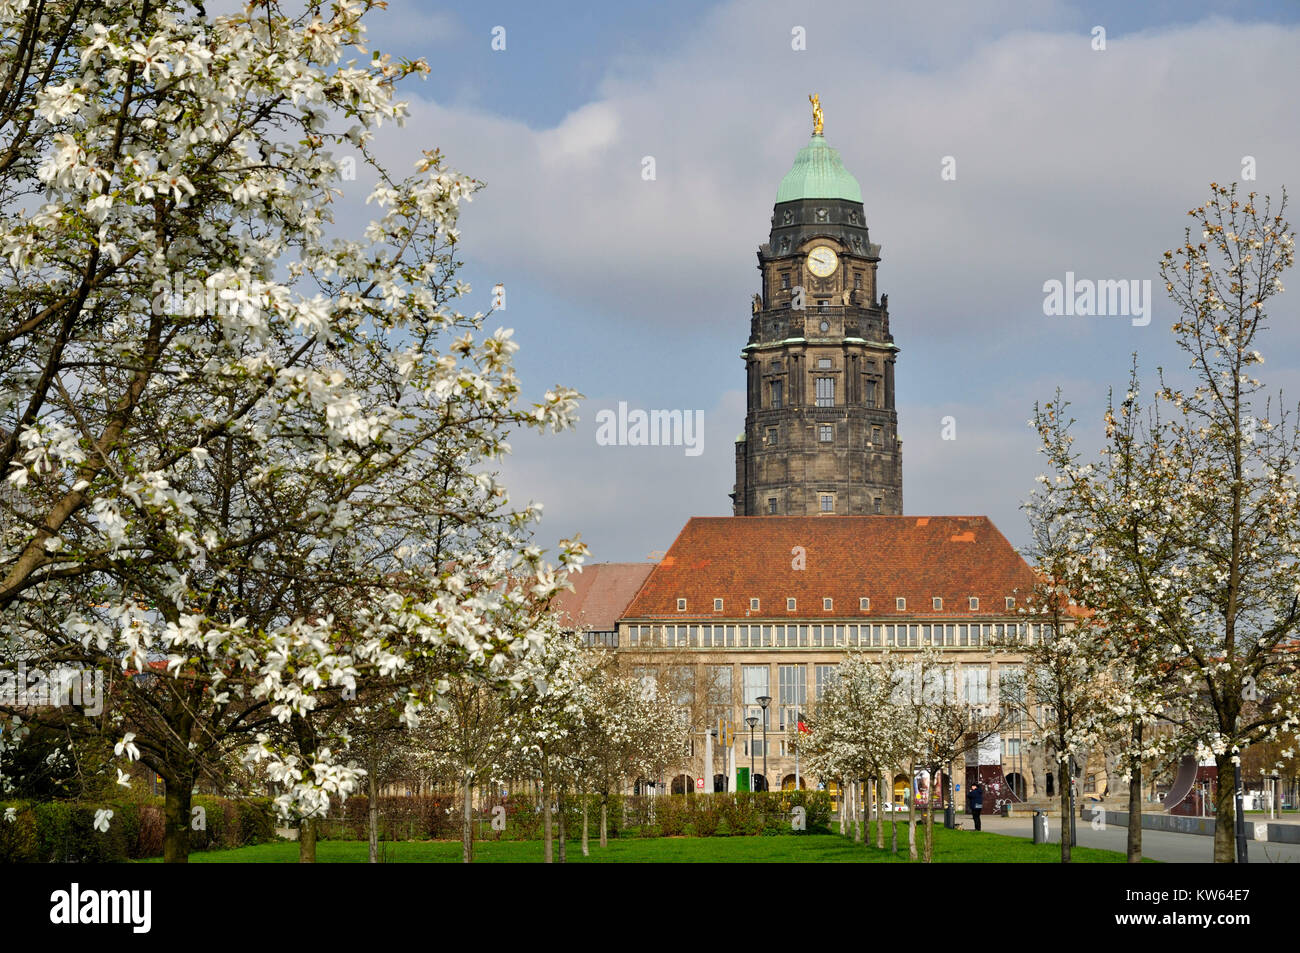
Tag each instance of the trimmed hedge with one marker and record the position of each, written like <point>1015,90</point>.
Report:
<point>64,831</point>
<point>437,817</point>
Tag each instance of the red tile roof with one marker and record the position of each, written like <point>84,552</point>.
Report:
<point>736,558</point>
<point>601,592</point>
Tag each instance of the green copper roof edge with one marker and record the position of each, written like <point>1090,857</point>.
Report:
<point>818,173</point>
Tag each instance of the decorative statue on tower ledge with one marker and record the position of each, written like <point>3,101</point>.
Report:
<point>758,303</point>
<point>816,101</point>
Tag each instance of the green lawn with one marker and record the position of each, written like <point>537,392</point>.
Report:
<point>949,847</point>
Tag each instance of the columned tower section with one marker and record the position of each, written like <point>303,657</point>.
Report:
<point>821,431</point>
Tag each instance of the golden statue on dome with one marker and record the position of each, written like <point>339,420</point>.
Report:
<point>816,101</point>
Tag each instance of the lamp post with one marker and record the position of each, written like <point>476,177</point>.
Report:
<point>765,700</point>
<point>712,786</point>
<point>798,720</point>
<point>752,720</point>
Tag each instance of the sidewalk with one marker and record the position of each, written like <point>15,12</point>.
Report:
<point>1158,845</point>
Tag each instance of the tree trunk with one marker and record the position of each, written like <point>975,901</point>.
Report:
<point>307,840</point>
<point>305,735</point>
<point>1064,791</point>
<point>928,853</point>
<point>372,809</point>
<point>467,819</point>
<point>911,811</point>
<point>857,814</point>
<point>563,832</point>
<point>893,819</point>
<point>1225,812</point>
<point>548,849</point>
<point>586,852</point>
<point>176,812</point>
<point>604,819</point>
<point>1135,798</point>
<point>880,815</point>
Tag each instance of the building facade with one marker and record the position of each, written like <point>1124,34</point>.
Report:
<point>745,609</point>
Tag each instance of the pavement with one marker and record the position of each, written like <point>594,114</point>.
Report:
<point>1158,845</point>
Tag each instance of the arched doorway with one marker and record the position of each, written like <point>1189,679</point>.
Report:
<point>719,782</point>
<point>1017,784</point>
<point>760,782</point>
<point>683,784</point>
<point>787,783</point>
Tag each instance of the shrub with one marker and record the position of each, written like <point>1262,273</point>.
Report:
<point>64,831</point>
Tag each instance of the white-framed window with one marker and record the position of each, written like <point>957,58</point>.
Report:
<point>825,392</point>
<point>717,605</point>
<point>753,605</point>
<point>828,604</point>
<point>826,432</point>
<point>1011,602</point>
<point>789,605</point>
<point>936,603</point>
<point>828,503</point>
<point>974,603</point>
<point>755,683</point>
<point>824,363</point>
<point>864,604</point>
<point>681,605</point>
<point>975,684</point>
<point>825,675</point>
<point>900,604</point>
<point>792,694</point>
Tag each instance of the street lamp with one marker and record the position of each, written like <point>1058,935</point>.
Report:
<point>765,700</point>
<point>713,737</point>
<point>752,720</point>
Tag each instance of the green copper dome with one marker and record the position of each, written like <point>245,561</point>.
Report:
<point>818,173</point>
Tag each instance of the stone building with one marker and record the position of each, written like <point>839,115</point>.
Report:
<point>744,609</point>
<point>821,431</point>
<point>817,560</point>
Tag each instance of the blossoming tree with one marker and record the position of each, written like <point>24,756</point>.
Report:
<point>249,462</point>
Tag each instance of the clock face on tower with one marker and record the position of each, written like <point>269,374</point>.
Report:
<point>822,261</point>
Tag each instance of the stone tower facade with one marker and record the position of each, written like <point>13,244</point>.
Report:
<point>821,431</point>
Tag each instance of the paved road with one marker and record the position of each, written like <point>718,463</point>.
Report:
<point>1158,845</point>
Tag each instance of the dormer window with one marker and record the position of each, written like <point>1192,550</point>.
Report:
<point>1011,602</point>
<point>789,605</point>
<point>827,604</point>
<point>900,604</point>
<point>681,605</point>
<point>936,604</point>
<point>974,604</point>
<point>864,604</point>
<point>753,605</point>
<point>717,605</point>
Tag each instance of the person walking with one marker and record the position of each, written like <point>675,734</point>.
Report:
<point>975,802</point>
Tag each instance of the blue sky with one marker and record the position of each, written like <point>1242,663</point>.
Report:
<point>1068,159</point>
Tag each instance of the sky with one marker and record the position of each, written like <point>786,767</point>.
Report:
<point>1068,158</point>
